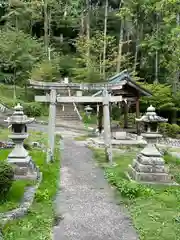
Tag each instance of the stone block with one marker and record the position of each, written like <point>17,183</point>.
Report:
<point>119,135</point>
<point>158,178</point>
<point>24,170</point>
<point>148,168</point>
<point>150,160</point>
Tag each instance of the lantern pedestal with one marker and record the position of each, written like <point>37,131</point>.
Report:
<point>19,158</point>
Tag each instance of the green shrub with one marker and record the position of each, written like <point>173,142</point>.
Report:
<point>89,120</point>
<point>169,130</point>
<point>116,112</point>
<point>27,146</point>
<point>32,109</point>
<point>127,188</point>
<point>131,120</point>
<point>6,178</point>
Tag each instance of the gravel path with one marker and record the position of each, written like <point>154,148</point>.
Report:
<point>86,203</point>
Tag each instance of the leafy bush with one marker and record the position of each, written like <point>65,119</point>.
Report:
<point>161,97</point>
<point>19,53</point>
<point>46,71</point>
<point>116,112</point>
<point>32,109</point>
<point>127,188</point>
<point>131,120</point>
<point>6,178</point>
<point>169,130</point>
<point>41,196</point>
<point>89,120</point>
<point>27,146</point>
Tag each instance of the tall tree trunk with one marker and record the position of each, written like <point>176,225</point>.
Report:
<point>105,40</point>
<point>46,26</point>
<point>136,45</point>
<point>141,52</point>
<point>14,89</point>
<point>100,64</point>
<point>49,26</point>
<point>157,53</point>
<point>140,29</point>
<point>176,78</point>
<point>136,53</point>
<point>121,37</point>
<point>156,67</point>
<point>88,31</point>
<point>82,23</point>
<point>128,41</point>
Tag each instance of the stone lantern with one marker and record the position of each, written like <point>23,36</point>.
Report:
<point>149,166</point>
<point>88,110</point>
<point>19,157</point>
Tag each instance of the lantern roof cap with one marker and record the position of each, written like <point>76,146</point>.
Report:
<point>151,117</point>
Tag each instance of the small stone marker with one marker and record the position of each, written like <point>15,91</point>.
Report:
<point>119,135</point>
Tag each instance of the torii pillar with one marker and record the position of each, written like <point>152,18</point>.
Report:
<point>51,125</point>
<point>107,126</point>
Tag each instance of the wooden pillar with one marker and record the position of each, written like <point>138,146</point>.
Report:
<point>107,127</point>
<point>126,109</point>
<point>137,116</point>
<point>100,118</point>
<point>51,125</point>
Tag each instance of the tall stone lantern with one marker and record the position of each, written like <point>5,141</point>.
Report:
<point>149,165</point>
<point>19,157</point>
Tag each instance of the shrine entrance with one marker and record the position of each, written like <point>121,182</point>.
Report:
<point>119,89</point>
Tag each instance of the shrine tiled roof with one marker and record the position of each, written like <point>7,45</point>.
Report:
<point>124,78</point>
<point>119,77</point>
<point>114,84</point>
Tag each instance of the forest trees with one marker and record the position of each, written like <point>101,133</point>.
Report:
<point>90,40</point>
<point>144,33</point>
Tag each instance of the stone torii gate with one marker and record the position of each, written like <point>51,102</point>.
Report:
<point>105,99</point>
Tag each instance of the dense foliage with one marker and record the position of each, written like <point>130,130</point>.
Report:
<point>6,178</point>
<point>91,40</point>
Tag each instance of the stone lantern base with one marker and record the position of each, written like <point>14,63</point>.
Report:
<point>22,163</point>
<point>149,167</point>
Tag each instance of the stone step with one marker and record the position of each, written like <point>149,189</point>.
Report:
<point>72,113</point>
<point>68,119</point>
<point>67,112</point>
<point>71,124</point>
<point>66,115</point>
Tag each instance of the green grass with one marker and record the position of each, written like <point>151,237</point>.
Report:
<point>16,192</point>
<point>38,223</point>
<point>38,137</point>
<point>81,138</point>
<point>4,134</point>
<point>43,118</point>
<point>33,136</point>
<point>14,195</point>
<point>155,210</point>
<point>174,149</point>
